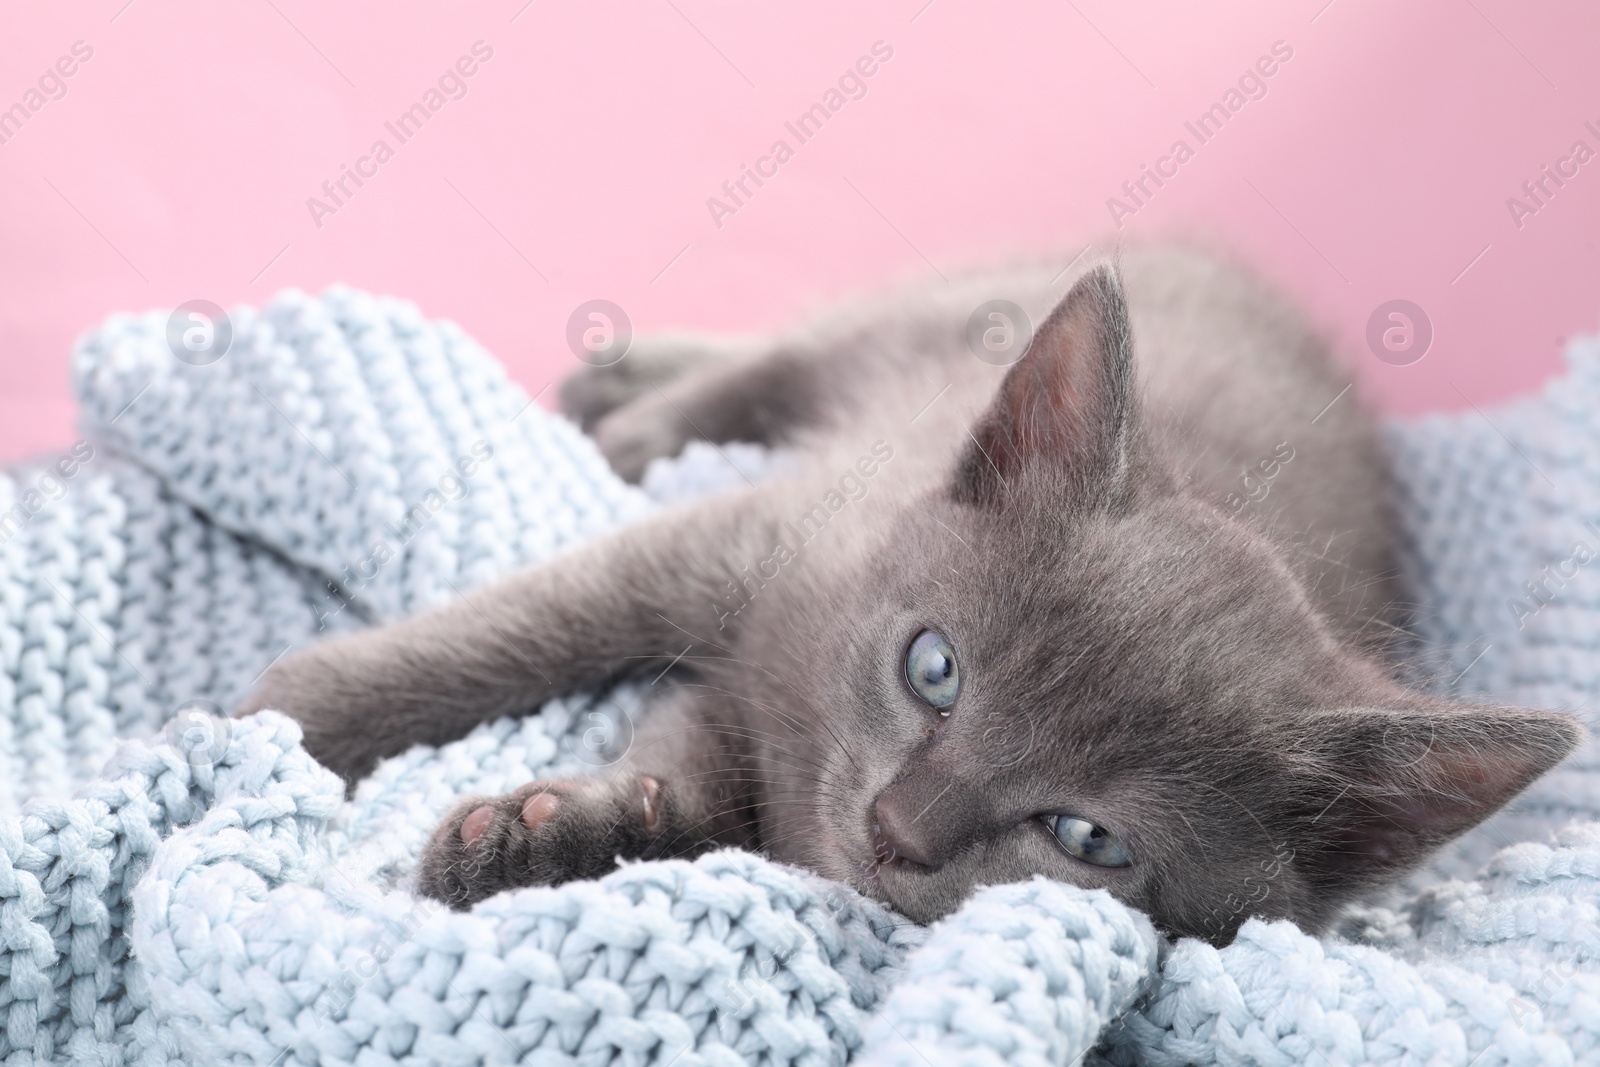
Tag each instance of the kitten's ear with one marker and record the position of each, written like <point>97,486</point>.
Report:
<point>1412,780</point>
<point>1067,403</point>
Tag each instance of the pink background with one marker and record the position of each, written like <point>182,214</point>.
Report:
<point>178,164</point>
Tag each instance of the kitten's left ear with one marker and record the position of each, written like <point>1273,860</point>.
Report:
<point>1414,779</point>
<point>1066,406</point>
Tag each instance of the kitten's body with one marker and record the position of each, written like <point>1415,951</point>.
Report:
<point>1228,372</point>
<point>1168,600</point>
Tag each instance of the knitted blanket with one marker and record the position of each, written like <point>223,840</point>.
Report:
<point>180,888</point>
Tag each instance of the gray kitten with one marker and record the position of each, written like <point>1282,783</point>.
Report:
<point>1117,614</point>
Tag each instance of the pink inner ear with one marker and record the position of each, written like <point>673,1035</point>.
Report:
<point>1471,782</point>
<point>1391,830</point>
<point>1050,411</point>
<point>1028,424</point>
<point>1420,776</point>
<point>1060,404</point>
<point>1448,791</point>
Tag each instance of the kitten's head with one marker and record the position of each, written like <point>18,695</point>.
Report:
<point>1065,664</point>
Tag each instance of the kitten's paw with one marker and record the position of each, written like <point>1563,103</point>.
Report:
<point>590,394</point>
<point>632,436</point>
<point>653,360</point>
<point>544,833</point>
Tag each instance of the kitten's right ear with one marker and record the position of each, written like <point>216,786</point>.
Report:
<point>1414,779</point>
<point>1066,406</point>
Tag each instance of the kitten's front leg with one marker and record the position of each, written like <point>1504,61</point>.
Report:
<point>547,833</point>
<point>629,604</point>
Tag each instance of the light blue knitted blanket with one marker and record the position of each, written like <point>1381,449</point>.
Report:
<point>203,893</point>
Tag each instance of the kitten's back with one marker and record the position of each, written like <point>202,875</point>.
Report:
<point>1233,381</point>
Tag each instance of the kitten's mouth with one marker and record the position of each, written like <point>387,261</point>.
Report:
<point>883,850</point>
<point>871,881</point>
<point>884,858</point>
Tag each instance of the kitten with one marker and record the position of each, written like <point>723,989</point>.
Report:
<point>1116,614</point>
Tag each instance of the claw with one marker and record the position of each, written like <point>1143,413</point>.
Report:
<point>652,813</point>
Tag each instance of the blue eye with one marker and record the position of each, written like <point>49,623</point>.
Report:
<point>931,669</point>
<point>1087,842</point>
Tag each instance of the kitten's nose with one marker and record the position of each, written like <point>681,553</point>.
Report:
<point>894,834</point>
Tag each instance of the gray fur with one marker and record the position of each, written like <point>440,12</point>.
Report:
<point>1149,636</point>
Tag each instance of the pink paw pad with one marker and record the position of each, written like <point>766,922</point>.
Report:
<point>473,826</point>
<point>539,809</point>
